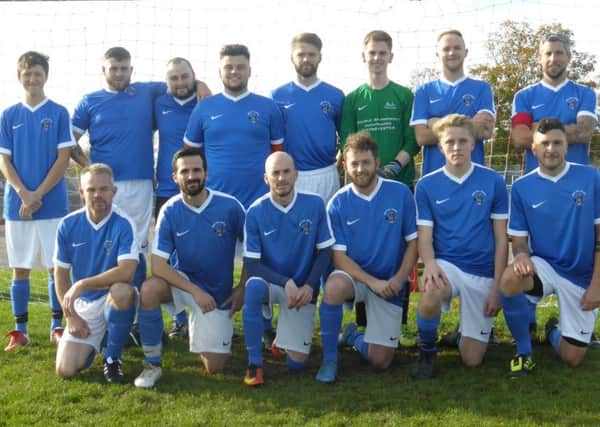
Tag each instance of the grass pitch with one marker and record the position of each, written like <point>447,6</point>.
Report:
<point>31,394</point>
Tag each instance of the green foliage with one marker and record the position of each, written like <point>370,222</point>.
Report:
<point>512,53</point>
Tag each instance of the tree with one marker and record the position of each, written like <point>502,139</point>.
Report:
<point>421,76</point>
<point>513,54</point>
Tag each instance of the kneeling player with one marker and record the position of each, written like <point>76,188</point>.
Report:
<point>375,249</point>
<point>96,257</point>
<point>555,227</point>
<point>462,210</point>
<point>200,228</point>
<point>287,250</point>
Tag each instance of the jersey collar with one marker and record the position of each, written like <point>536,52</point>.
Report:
<point>235,98</point>
<point>182,102</point>
<point>557,177</point>
<point>554,88</point>
<point>37,107</point>
<point>371,196</point>
<point>284,209</point>
<point>203,206</point>
<point>462,178</point>
<point>455,83</point>
<point>101,223</point>
<point>307,88</point>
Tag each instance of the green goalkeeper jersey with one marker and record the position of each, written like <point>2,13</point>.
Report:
<point>385,114</point>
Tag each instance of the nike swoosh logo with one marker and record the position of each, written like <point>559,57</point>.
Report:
<point>306,343</point>
<point>182,233</point>
<point>167,111</point>
<point>433,101</point>
<point>536,106</point>
<point>76,245</point>
<point>216,117</point>
<point>289,106</point>
<point>226,343</point>
<point>352,221</point>
<point>18,126</point>
<point>267,233</point>
<point>439,202</point>
<point>483,333</point>
<point>537,205</point>
<point>394,338</point>
<point>362,107</point>
<point>584,333</point>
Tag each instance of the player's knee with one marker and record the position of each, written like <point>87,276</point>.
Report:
<point>21,273</point>
<point>334,289</point>
<point>149,295</point>
<point>213,364</point>
<point>295,361</point>
<point>430,304</point>
<point>574,356</point>
<point>255,293</point>
<point>65,372</point>
<point>381,361</point>
<point>471,359</point>
<point>510,284</point>
<point>122,295</point>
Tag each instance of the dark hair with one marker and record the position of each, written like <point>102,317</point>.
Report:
<point>187,152</point>
<point>360,141</point>
<point>234,50</point>
<point>378,36</point>
<point>309,38</point>
<point>179,60</point>
<point>548,124</point>
<point>117,53</point>
<point>30,59</point>
<point>556,37</point>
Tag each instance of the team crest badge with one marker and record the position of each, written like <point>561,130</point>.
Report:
<point>130,90</point>
<point>46,123</point>
<point>391,215</point>
<point>468,99</point>
<point>389,105</point>
<point>107,245</point>
<point>253,116</point>
<point>572,102</point>
<point>479,197</point>
<point>219,228</point>
<point>305,226</point>
<point>578,197</point>
<point>325,106</point>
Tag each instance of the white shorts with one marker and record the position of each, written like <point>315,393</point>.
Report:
<point>473,291</point>
<point>134,198</point>
<point>209,332</point>
<point>294,326</point>
<point>384,319</point>
<point>25,238</point>
<point>93,313</point>
<point>574,322</point>
<point>324,182</point>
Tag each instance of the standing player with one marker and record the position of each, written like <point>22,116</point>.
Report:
<point>96,257</point>
<point>172,111</point>
<point>312,111</point>
<point>462,210</point>
<point>456,93</point>
<point>237,129</point>
<point>555,96</point>
<point>35,142</point>
<point>382,108</point>
<point>201,227</point>
<point>555,227</point>
<point>287,250</point>
<point>119,122</point>
<point>375,249</point>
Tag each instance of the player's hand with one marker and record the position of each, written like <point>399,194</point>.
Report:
<point>202,90</point>
<point>305,295</point>
<point>434,278</point>
<point>69,298</point>
<point>78,327</point>
<point>391,170</point>
<point>591,298</point>
<point>236,300</point>
<point>382,288</point>
<point>31,199</point>
<point>523,266</point>
<point>204,300</point>
<point>396,285</point>
<point>432,121</point>
<point>25,213</point>
<point>291,292</point>
<point>492,304</point>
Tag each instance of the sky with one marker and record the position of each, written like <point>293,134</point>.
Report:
<point>76,34</point>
